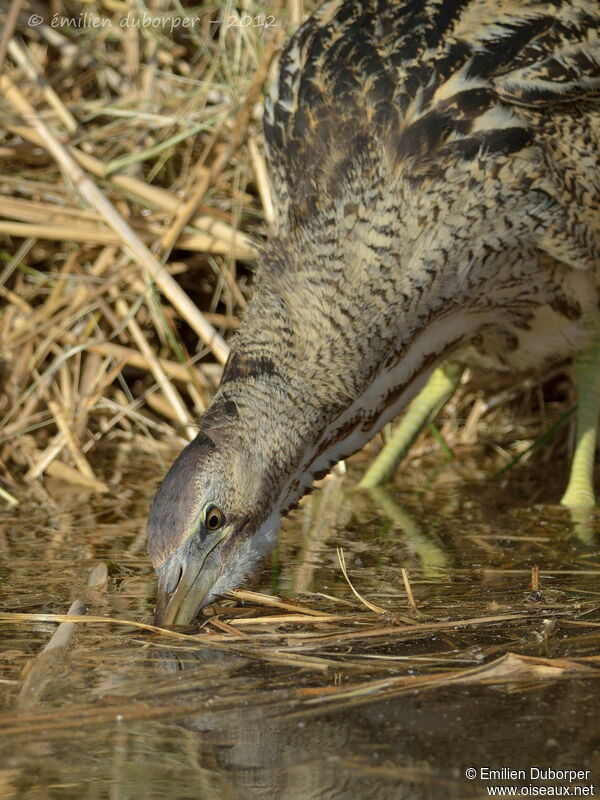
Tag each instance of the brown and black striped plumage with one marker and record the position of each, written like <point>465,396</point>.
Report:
<point>436,170</point>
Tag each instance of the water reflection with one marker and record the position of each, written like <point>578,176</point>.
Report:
<point>125,715</point>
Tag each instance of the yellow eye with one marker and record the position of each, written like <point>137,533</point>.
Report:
<point>213,519</point>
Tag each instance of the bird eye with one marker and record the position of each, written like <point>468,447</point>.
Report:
<point>213,519</point>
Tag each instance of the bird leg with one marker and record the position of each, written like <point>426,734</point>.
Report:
<point>580,491</point>
<point>430,554</point>
<point>427,404</point>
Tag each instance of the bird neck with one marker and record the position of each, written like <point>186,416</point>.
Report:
<point>335,342</point>
<point>355,305</point>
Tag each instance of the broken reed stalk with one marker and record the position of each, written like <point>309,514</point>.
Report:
<point>363,600</point>
<point>8,498</point>
<point>169,391</point>
<point>303,639</point>
<point>38,673</point>
<point>409,592</point>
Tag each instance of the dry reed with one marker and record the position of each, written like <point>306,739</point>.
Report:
<point>131,180</point>
<point>327,644</point>
<point>132,183</point>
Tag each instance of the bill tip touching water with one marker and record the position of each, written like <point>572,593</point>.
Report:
<point>205,535</point>
<point>438,192</point>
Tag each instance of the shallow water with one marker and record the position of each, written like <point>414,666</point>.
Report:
<point>330,710</point>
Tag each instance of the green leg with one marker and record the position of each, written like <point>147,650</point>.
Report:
<point>580,491</point>
<point>429,552</point>
<point>439,389</point>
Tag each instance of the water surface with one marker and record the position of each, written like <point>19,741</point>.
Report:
<point>332,709</point>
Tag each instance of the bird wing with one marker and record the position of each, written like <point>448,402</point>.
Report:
<point>562,65</point>
<point>437,79</point>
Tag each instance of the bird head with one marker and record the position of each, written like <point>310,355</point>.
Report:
<point>210,525</point>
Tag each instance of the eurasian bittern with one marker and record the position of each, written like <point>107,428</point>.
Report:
<point>436,169</point>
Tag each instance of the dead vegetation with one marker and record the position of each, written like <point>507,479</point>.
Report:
<point>317,648</point>
<point>131,175</point>
<point>132,182</point>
